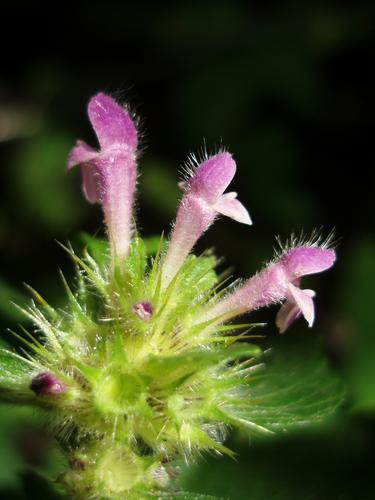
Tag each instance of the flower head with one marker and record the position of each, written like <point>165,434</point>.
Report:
<point>109,175</point>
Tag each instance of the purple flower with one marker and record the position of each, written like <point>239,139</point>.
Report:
<point>278,282</point>
<point>202,202</point>
<point>109,175</point>
<point>46,384</point>
<point>109,178</point>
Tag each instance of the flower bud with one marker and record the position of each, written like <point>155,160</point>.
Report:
<point>46,384</point>
<point>143,310</point>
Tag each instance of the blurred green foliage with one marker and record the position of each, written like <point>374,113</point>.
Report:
<point>322,464</point>
<point>287,88</point>
<point>359,318</point>
<point>37,179</point>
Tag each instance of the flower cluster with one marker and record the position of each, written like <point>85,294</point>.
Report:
<point>143,368</point>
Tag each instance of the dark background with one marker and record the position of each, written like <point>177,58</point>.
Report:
<point>286,87</point>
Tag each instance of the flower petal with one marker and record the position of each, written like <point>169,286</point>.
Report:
<point>90,186</point>
<point>229,206</point>
<point>303,260</point>
<point>212,177</point>
<point>304,301</point>
<point>288,313</point>
<point>111,122</point>
<point>84,155</point>
<point>81,153</point>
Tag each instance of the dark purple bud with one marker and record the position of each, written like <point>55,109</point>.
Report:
<point>143,310</point>
<point>46,384</point>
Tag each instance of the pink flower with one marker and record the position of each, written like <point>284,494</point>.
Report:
<point>278,282</point>
<point>109,178</point>
<point>109,175</point>
<point>202,202</point>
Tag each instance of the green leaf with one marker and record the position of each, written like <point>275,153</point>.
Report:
<point>14,377</point>
<point>295,387</point>
<point>13,371</point>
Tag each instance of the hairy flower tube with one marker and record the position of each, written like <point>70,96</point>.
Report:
<point>142,369</point>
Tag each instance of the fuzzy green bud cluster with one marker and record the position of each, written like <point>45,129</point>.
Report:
<point>137,394</point>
